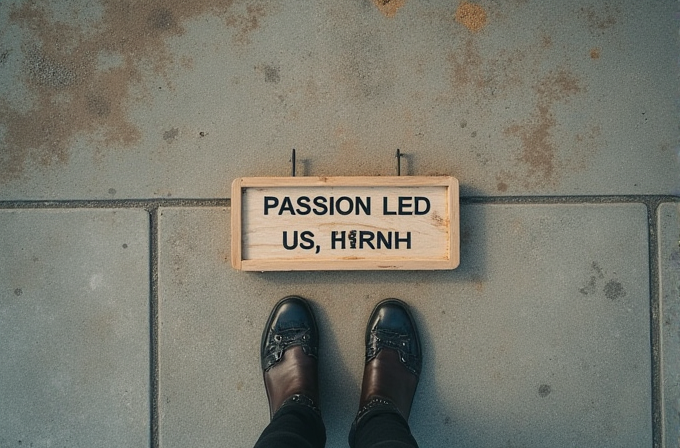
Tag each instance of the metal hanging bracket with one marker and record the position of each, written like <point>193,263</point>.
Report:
<point>399,156</point>
<point>293,162</point>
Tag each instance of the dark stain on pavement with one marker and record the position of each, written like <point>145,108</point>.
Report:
<point>597,269</point>
<point>591,286</point>
<point>170,135</point>
<point>544,390</point>
<point>48,72</point>
<point>98,105</point>
<point>613,290</point>
<point>271,74</point>
<point>161,19</point>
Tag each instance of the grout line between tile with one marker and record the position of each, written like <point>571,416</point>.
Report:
<point>154,367</point>
<point>148,204</point>
<point>593,199</point>
<point>655,325</point>
<point>226,202</point>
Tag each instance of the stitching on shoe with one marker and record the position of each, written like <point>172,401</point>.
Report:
<point>279,342</point>
<point>401,343</point>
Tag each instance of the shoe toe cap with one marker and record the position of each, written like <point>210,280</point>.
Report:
<point>392,326</point>
<point>291,323</point>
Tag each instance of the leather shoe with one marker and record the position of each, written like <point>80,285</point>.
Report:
<point>393,358</point>
<point>289,355</point>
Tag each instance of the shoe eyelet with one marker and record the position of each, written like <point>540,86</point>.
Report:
<point>277,337</point>
<point>305,337</point>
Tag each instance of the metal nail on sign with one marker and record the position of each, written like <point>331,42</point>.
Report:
<point>344,223</point>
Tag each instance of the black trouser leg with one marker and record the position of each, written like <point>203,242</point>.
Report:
<point>294,426</point>
<point>381,428</point>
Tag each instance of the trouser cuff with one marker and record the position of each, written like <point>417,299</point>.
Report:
<point>299,400</point>
<point>373,407</point>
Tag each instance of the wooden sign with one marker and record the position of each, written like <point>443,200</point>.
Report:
<point>344,223</point>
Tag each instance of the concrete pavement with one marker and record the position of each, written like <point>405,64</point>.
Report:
<point>122,126</point>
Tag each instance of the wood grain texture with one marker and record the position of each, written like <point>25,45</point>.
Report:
<point>345,223</point>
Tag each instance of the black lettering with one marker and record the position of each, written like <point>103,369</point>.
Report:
<point>365,206</point>
<point>404,205</point>
<point>286,206</point>
<point>347,211</point>
<point>386,242</point>
<point>303,201</point>
<point>385,211</point>
<point>270,202</point>
<point>418,200</point>
<point>320,202</point>
<point>285,240</point>
<point>321,205</point>
<point>336,239</point>
<point>366,236</point>
<point>398,240</point>
<point>306,241</point>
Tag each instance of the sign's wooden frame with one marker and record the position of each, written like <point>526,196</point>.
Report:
<point>450,261</point>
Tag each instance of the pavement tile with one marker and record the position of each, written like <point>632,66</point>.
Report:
<point>519,97</point>
<point>669,262</point>
<point>74,308</point>
<point>539,338</point>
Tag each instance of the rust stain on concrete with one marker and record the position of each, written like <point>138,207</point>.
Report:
<point>389,7</point>
<point>558,85</point>
<point>73,95</point>
<point>471,73</point>
<point>471,15</point>
<point>600,17</point>
<point>467,66</point>
<point>246,22</point>
<point>484,77</point>
<point>501,186</point>
<point>538,151</point>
